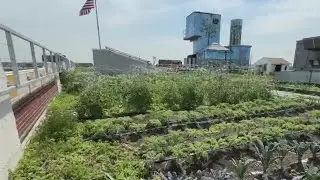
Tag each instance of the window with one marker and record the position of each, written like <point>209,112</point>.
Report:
<point>314,62</point>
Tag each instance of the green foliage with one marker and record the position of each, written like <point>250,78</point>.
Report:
<point>225,135</point>
<point>265,154</point>
<point>77,80</point>
<point>227,90</point>
<point>138,97</point>
<point>191,96</point>
<point>241,167</point>
<point>76,159</point>
<point>64,102</point>
<point>244,109</point>
<point>60,121</point>
<point>58,125</point>
<point>282,150</point>
<point>171,96</point>
<point>312,173</point>
<point>314,148</point>
<point>105,96</point>
<point>153,123</point>
<point>299,148</point>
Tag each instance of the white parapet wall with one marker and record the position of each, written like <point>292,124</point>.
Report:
<point>109,60</point>
<point>298,76</point>
<point>10,146</point>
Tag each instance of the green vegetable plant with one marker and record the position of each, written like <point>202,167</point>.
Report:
<point>282,151</point>
<point>299,148</point>
<point>314,148</point>
<point>241,167</point>
<point>220,174</point>
<point>265,154</point>
<point>312,173</point>
<point>138,97</point>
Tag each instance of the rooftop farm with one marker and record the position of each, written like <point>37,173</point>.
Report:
<point>174,126</point>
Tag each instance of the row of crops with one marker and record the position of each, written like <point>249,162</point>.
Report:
<point>310,89</point>
<point>174,126</point>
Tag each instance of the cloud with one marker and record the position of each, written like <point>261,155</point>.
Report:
<point>285,16</point>
<point>124,12</point>
<point>170,47</point>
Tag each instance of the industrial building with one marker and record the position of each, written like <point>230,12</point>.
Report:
<point>169,63</point>
<point>306,65</point>
<point>203,30</point>
<point>307,54</point>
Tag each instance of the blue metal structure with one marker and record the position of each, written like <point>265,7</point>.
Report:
<point>235,32</point>
<point>203,29</point>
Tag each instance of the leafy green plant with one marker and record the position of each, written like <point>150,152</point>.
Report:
<point>241,167</point>
<point>153,123</point>
<point>171,96</point>
<point>138,97</point>
<point>58,125</point>
<point>265,154</point>
<point>312,173</point>
<point>299,149</point>
<point>314,148</point>
<point>191,96</point>
<point>282,150</point>
<point>76,81</point>
<point>220,174</point>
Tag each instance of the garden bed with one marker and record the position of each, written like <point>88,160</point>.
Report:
<point>297,90</point>
<point>190,125</point>
<point>116,129</point>
<point>221,159</point>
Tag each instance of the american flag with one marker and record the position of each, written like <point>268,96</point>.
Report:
<point>86,9</point>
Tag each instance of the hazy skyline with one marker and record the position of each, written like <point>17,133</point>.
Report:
<point>155,28</point>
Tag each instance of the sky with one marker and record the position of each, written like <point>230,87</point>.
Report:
<point>148,28</point>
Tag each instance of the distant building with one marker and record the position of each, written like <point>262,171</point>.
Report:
<point>235,32</point>
<point>268,65</point>
<point>307,54</point>
<point>203,30</point>
<point>169,63</point>
<point>84,64</point>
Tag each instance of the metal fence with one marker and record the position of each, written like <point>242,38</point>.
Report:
<point>53,62</point>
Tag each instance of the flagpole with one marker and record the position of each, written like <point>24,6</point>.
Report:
<point>98,28</point>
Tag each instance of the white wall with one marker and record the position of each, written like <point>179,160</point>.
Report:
<point>296,76</point>
<point>271,68</point>
<point>10,147</point>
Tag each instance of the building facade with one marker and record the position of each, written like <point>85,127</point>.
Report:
<point>267,65</point>
<point>169,63</point>
<point>235,32</point>
<point>307,54</point>
<point>203,30</point>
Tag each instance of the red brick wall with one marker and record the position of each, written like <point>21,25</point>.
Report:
<point>28,110</point>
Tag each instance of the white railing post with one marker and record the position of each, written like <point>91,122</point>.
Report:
<point>67,64</point>
<point>12,57</point>
<point>52,65</point>
<point>45,60</point>
<point>59,63</point>
<point>56,57</point>
<point>34,60</point>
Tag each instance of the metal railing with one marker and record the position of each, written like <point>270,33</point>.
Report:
<point>58,61</point>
